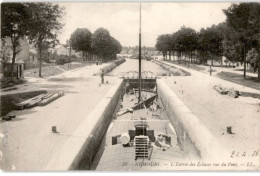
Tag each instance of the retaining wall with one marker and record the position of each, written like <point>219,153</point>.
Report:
<point>80,149</point>
<point>192,134</point>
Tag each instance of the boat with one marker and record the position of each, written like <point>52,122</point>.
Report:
<point>140,136</point>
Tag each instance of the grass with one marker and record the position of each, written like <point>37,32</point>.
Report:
<point>8,102</point>
<point>53,70</point>
<point>249,81</point>
<point>247,70</point>
<point>46,72</point>
<point>249,94</point>
<point>188,65</point>
<point>74,65</point>
<point>173,71</point>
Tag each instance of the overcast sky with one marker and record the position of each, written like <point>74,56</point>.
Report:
<point>122,19</point>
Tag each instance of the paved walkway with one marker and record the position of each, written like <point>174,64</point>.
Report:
<point>217,111</point>
<point>27,142</point>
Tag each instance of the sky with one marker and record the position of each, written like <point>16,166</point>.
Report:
<point>122,18</point>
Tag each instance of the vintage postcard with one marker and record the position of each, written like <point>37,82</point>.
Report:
<point>130,86</point>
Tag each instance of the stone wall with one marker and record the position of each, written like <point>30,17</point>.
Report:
<point>192,134</point>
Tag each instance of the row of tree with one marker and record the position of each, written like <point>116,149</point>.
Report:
<point>38,23</point>
<point>237,37</point>
<point>100,43</point>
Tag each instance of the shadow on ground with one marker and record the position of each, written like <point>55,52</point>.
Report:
<point>67,79</point>
<point>13,120</point>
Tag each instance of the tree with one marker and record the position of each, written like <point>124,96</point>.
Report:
<point>252,58</point>
<point>163,44</point>
<point>43,25</point>
<point>115,47</point>
<point>13,25</point>
<point>185,40</point>
<point>232,47</point>
<point>210,43</point>
<point>101,41</point>
<point>81,40</point>
<point>245,19</point>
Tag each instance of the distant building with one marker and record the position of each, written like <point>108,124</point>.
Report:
<point>27,55</point>
<point>59,50</point>
<point>62,50</point>
<point>78,54</point>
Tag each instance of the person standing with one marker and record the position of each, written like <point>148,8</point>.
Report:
<point>127,87</point>
<point>102,77</point>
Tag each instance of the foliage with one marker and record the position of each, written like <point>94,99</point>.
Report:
<point>104,45</point>
<point>43,25</point>
<point>13,18</point>
<point>62,59</point>
<point>185,40</point>
<point>81,40</point>
<point>163,43</point>
<point>210,41</point>
<point>244,18</point>
<point>13,25</point>
<point>100,42</point>
<point>252,56</point>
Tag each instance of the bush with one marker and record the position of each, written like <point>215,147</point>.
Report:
<point>6,82</point>
<point>62,59</point>
<point>110,67</point>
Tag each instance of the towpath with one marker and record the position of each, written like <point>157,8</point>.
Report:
<point>27,142</point>
<point>217,111</point>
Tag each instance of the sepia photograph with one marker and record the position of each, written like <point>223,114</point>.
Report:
<point>129,86</point>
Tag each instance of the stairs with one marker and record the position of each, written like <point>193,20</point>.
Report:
<point>141,147</point>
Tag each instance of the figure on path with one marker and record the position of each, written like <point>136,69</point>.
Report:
<point>127,87</point>
<point>102,77</point>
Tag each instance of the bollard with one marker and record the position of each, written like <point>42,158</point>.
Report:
<point>54,129</point>
<point>229,130</point>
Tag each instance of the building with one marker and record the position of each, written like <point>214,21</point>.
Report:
<point>62,50</point>
<point>7,50</point>
<point>22,57</point>
<point>59,50</point>
<point>78,54</point>
<point>17,72</point>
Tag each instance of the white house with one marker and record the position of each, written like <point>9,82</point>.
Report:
<point>59,50</point>
<point>62,50</point>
